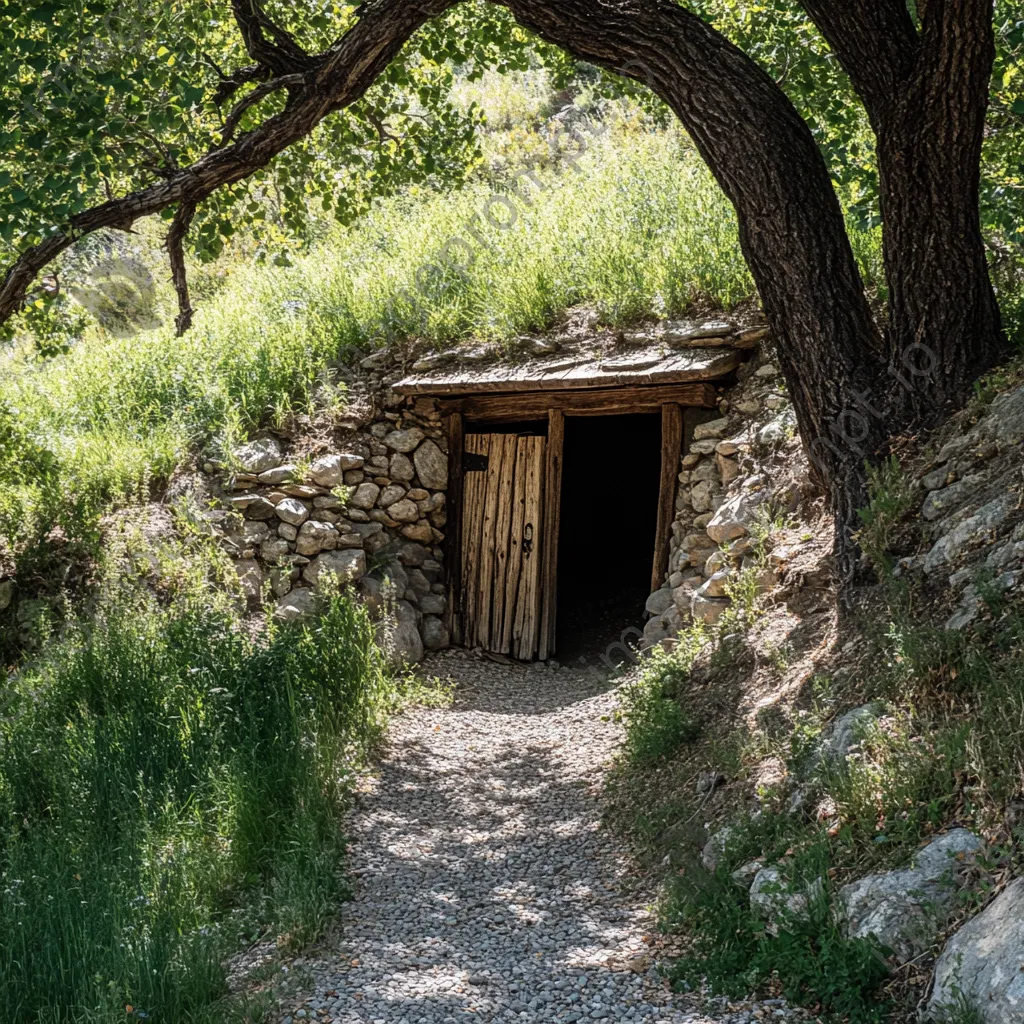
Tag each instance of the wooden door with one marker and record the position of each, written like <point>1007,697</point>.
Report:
<point>502,543</point>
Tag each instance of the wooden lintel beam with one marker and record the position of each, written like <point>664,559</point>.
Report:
<point>527,405</point>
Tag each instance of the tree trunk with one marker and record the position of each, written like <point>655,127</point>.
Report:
<point>944,325</point>
<point>926,93</point>
<point>792,229</point>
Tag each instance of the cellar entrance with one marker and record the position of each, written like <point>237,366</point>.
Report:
<point>562,477</point>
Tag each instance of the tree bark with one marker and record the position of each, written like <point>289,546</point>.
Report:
<point>926,94</point>
<point>944,322</point>
<point>176,253</point>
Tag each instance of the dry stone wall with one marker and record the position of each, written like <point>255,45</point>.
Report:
<point>739,465</point>
<point>369,512</point>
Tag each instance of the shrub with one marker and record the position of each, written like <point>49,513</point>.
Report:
<point>890,500</point>
<point>657,723</point>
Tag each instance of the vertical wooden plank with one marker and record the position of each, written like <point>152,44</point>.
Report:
<point>671,448</point>
<point>472,526</point>
<point>453,542</point>
<point>485,579</point>
<point>513,579</point>
<point>502,530</point>
<point>535,511</point>
<point>528,606</point>
<point>552,526</point>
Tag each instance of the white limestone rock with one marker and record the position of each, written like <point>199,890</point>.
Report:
<point>251,579</point>
<point>278,475</point>
<point>905,909</point>
<point>435,636</point>
<point>258,456</point>
<point>295,605</point>
<point>343,565</point>
<point>315,537</point>
<point>404,441</point>
<point>292,511</point>
<point>431,466</point>
<point>777,900</point>
<point>330,470</point>
<point>659,602</point>
<point>364,496</point>
<point>981,964</point>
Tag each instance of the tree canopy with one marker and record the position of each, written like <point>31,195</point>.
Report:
<point>104,98</point>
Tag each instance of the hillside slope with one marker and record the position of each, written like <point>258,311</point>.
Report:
<point>784,769</point>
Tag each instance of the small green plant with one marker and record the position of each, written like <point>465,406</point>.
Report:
<point>301,472</point>
<point>342,492</point>
<point>992,384</point>
<point>657,723</point>
<point>890,499</point>
<point>806,958</point>
<point>960,1010</point>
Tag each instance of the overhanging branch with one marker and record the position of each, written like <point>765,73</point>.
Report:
<point>351,66</point>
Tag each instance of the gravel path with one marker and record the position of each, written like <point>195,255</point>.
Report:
<point>485,887</point>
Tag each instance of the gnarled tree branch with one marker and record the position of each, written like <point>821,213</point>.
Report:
<point>281,53</point>
<point>175,243</point>
<point>350,68</point>
<point>230,84</point>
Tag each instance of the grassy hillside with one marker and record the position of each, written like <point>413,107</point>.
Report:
<point>639,229</point>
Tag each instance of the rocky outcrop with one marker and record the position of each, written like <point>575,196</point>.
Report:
<point>906,909</point>
<point>715,848</point>
<point>836,742</point>
<point>779,901</point>
<point>980,968</point>
<point>972,511</point>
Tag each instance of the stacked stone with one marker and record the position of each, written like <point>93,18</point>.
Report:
<point>716,502</point>
<point>379,499</point>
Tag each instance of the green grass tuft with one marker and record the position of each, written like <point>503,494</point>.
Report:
<point>170,788</point>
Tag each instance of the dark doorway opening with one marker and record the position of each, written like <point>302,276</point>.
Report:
<point>611,477</point>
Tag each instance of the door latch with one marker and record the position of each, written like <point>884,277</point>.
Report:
<point>528,539</point>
